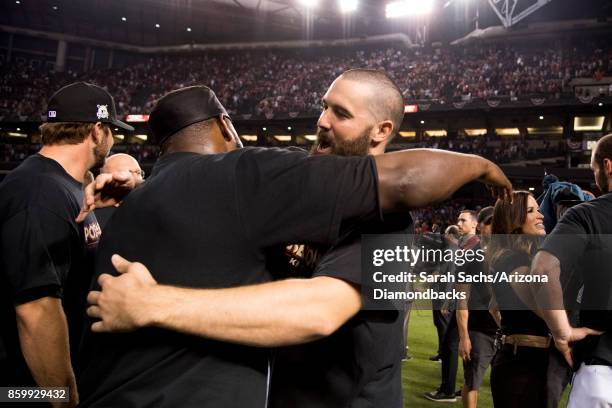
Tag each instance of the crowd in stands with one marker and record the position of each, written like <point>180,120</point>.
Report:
<point>282,82</point>
<point>499,151</point>
<point>437,218</point>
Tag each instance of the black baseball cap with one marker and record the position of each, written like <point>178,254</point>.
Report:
<point>183,107</point>
<point>83,102</point>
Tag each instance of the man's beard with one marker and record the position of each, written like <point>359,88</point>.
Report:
<point>360,146</point>
<point>100,152</point>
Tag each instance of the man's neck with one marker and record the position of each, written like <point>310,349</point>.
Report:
<point>74,159</point>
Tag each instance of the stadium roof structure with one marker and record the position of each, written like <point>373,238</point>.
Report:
<point>174,22</point>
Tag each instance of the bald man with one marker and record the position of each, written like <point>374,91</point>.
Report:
<point>123,162</point>
<point>119,162</point>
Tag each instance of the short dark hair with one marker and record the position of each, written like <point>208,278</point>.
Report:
<point>66,133</point>
<point>195,131</point>
<point>485,215</point>
<point>390,102</point>
<point>472,213</point>
<point>603,149</point>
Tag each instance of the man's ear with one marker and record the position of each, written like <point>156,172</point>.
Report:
<point>225,129</point>
<point>229,133</point>
<point>607,164</point>
<point>97,132</point>
<point>384,131</point>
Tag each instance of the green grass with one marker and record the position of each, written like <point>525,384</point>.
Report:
<point>419,375</point>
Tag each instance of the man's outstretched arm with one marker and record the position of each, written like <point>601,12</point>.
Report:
<point>271,314</point>
<point>408,179</point>
<point>420,177</point>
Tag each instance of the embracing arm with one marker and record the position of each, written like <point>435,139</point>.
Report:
<point>420,177</point>
<point>271,314</point>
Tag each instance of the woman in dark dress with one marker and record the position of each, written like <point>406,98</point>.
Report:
<point>527,370</point>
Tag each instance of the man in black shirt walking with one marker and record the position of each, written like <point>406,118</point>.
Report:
<point>45,256</point>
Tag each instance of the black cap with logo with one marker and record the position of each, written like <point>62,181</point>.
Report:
<point>83,102</point>
<point>183,107</point>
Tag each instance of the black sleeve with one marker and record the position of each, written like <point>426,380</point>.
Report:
<point>342,261</point>
<point>35,247</point>
<point>287,196</point>
<point>568,239</point>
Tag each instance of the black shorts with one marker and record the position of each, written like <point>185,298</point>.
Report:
<point>483,351</point>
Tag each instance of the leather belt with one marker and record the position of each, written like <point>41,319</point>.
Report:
<point>527,340</point>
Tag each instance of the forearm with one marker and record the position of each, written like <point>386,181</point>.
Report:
<point>43,336</point>
<point>406,178</point>
<point>549,295</point>
<point>272,314</point>
<point>462,323</point>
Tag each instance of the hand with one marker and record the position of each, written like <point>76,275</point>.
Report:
<point>497,182</point>
<point>465,348</point>
<point>106,190</point>
<point>563,340</point>
<point>122,305</point>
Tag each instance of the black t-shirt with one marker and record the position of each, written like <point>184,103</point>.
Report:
<point>479,299</point>
<point>582,241</point>
<point>513,321</point>
<point>207,221</point>
<point>43,252</point>
<point>359,365</point>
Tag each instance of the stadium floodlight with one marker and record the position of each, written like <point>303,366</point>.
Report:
<point>123,19</point>
<point>408,8</point>
<point>188,29</point>
<point>157,25</point>
<point>309,3</point>
<point>347,6</point>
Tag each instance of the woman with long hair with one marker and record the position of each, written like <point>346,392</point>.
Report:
<point>527,370</point>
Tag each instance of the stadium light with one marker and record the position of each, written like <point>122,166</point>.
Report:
<point>310,138</point>
<point>347,6</point>
<point>17,2</point>
<point>408,8</point>
<point>283,138</point>
<point>541,117</point>
<point>157,25</point>
<point>188,29</point>
<point>123,19</point>
<point>588,123</point>
<point>309,3</point>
